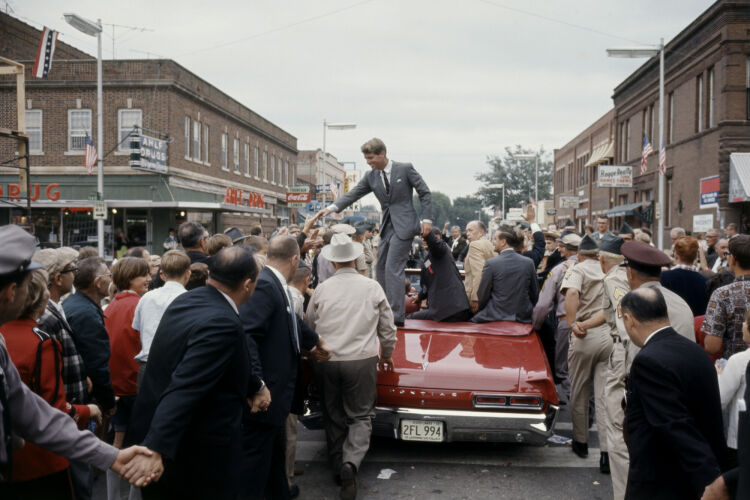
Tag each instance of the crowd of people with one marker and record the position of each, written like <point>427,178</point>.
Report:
<point>188,366</point>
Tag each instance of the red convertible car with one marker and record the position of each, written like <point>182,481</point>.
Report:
<point>463,382</point>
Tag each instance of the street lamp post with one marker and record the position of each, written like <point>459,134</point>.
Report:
<point>651,51</point>
<point>499,186</point>
<point>333,126</point>
<point>536,171</point>
<point>95,29</point>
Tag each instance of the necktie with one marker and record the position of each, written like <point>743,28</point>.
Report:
<point>294,320</point>
<point>387,183</point>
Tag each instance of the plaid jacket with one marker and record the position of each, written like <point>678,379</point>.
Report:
<point>53,323</point>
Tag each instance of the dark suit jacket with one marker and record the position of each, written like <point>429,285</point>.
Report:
<point>86,321</point>
<point>690,285</point>
<point>536,253</point>
<point>195,385</point>
<point>738,479</point>
<point>459,248</point>
<point>441,282</point>
<point>673,422</point>
<point>397,206</point>
<point>269,338</point>
<point>508,289</point>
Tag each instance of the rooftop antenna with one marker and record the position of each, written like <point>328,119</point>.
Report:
<point>128,28</point>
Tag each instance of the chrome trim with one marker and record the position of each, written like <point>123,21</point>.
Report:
<point>508,405</point>
<point>428,413</point>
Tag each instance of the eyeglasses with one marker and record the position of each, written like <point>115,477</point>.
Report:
<point>105,275</point>
<point>70,270</point>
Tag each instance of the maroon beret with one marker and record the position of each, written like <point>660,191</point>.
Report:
<point>643,254</point>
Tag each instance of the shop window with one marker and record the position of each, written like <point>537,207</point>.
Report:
<point>265,166</point>
<point>256,167</point>
<point>196,141</point>
<point>711,99</point>
<point>273,169</point>
<point>187,137</point>
<point>34,129</point>
<point>236,151</point>
<point>79,124</point>
<point>246,150</point>
<point>127,121</point>
<point>699,103</point>
<point>224,139</point>
<point>205,144</point>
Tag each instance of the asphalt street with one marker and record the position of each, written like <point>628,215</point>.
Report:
<point>413,470</point>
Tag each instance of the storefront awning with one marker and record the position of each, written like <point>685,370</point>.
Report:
<point>622,210</point>
<point>739,177</point>
<point>184,205</point>
<point>601,154</point>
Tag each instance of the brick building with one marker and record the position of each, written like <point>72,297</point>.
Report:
<point>707,119</point>
<point>226,165</point>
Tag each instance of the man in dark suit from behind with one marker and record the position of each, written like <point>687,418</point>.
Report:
<point>195,386</point>
<point>441,283</point>
<point>274,336</point>
<point>194,239</point>
<point>673,423</point>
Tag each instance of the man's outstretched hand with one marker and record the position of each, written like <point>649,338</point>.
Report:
<point>139,465</point>
<point>323,213</point>
<point>426,226</point>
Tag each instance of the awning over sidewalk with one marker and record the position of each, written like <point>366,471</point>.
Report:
<point>628,209</point>
<point>601,154</point>
<point>739,177</point>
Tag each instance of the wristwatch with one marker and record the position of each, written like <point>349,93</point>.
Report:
<point>262,386</point>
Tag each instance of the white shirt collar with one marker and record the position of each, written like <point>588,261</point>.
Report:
<point>231,302</point>
<point>654,333</point>
<point>387,169</point>
<point>278,274</point>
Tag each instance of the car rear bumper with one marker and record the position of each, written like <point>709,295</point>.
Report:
<point>460,425</point>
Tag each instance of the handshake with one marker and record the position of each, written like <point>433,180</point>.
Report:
<point>138,465</point>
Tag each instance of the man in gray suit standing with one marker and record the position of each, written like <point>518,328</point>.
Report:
<point>393,184</point>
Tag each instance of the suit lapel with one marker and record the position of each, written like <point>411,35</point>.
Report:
<point>280,289</point>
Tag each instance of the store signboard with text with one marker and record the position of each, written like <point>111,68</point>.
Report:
<point>709,192</point>
<point>616,176</point>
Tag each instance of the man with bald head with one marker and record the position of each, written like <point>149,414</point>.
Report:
<point>275,337</point>
<point>480,250</point>
<point>673,423</point>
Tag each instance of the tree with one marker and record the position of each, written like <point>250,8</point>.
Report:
<point>517,176</point>
<point>441,207</point>
<point>465,210</point>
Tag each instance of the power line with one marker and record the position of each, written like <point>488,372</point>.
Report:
<point>561,22</point>
<point>280,28</point>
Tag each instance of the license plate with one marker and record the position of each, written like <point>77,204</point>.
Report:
<point>420,430</point>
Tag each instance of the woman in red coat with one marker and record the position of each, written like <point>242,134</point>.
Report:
<point>36,472</point>
<point>131,277</point>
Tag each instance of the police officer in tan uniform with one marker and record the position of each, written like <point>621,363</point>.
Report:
<point>615,287</point>
<point>550,297</point>
<point>589,350</point>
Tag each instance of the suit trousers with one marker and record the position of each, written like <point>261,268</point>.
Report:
<point>291,445</point>
<point>264,462</point>
<point>348,390</point>
<point>393,252</point>
<point>562,337</point>
<point>587,359</point>
<point>619,459</point>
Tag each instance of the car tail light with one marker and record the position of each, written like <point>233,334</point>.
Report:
<point>508,402</point>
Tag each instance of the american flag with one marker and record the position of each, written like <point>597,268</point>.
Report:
<point>662,158</point>
<point>334,190</point>
<point>44,53</point>
<point>90,156</point>
<point>647,151</point>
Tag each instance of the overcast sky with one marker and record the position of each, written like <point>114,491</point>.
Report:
<point>443,83</point>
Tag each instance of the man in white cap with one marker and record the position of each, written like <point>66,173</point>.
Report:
<point>350,313</point>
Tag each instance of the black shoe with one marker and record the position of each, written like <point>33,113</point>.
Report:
<point>604,463</point>
<point>293,491</point>
<point>581,449</point>
<point>399,323</point>
<point>348,482</point>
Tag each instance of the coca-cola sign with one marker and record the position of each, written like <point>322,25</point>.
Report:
<point>297,197</point>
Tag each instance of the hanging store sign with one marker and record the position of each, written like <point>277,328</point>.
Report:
<point>298,196</point>
<point>709,192</point>
<point>148,154</point>
<point>568,201</point>
<point>234,196</point>
<point>616,176</point>
<point>703,222</point>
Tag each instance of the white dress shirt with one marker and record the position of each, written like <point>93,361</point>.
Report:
<point>654,333</point>
<point>732,385</point>
<point>282,279</point>
<point>149,311</point>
